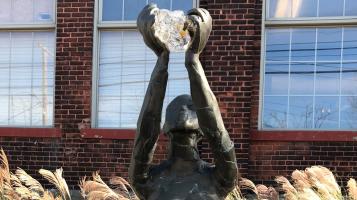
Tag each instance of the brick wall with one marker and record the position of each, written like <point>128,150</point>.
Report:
<point>73,63</point>
<point>32,154</point>
<point>269,159</point>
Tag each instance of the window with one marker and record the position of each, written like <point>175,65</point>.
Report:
<point>310,65</point>
<point>27,48</point>
<point>124,63</point>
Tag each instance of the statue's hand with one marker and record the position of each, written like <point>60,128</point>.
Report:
<point>199,28</point>
<point>145,22</point>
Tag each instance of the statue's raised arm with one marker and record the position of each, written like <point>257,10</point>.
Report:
<point>148,125</point>
<point>207,109</point>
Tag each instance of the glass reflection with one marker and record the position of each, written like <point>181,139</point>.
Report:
<point>277,44</point>
<point>329,44</point>
<point>112,10</point>
<point>350,8</point>
<point>349,78</point>
<point>162,4</point>
<point>276,78</point>
<point>302,78</point>
<point>304,8</point>
<point>280,8</point>
<point>331,8</point>
<point>303,44</point>
<point>184,5</point>
<point>132,8</point>
<point>300,112</point>
<point>275,112</point>
<point>350,43</point>
<point>348,112</point>
<point>326,112</point>
<point>293,68</point>
<point>327,78</point>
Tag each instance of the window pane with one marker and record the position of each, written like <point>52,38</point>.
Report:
<point>275,112</point>
<point>326,112</point>
<point>277,44</point>
<point>132,78</point>
<point>330,8</point>
<point>276,78</point>
<point>21,63</point>
<point>184,5</point>
<point>350,44</point>
<point>4,114</point>
<point>162,4</point>
<point>303,75</point>
<point>291,9</point>
<point>124,72</point>
<point>26,11</point>
<point>329,44</point>
<point>349,79</point>
<point>302,78</point>
<point>350,8</point>
<point>5,11</point>
<point>22,11</point>
<point>132,8</point>
<point>303,44</point>
<point>300,112</point>
<point>304,8</point>
<point>112,10</point>
<point>20,110</point>
<point>279,9</point>
<point>4,66</point>
<point>349,112</point>
<point>27,70</point>
<point>327,78</point>
<point>42,114</point>
<point>43,10</point>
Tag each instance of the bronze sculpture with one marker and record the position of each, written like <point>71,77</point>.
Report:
<point>184,175</point>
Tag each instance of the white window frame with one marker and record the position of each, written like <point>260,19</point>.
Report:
<point>34,27</point>
<point>99,25</point>
<point>302,22</point>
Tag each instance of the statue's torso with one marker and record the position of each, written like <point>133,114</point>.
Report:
<point>193,185</point>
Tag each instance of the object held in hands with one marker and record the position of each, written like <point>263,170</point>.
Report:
<point>163,29</point>
<point>170,28</point>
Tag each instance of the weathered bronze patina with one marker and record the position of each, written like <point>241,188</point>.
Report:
<point>183,175</point>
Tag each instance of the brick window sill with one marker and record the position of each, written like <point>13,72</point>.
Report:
<point>30,132</point>
<point>304,136</point>
<point>118,134</point>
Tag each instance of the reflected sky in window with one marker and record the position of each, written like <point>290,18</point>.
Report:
<point>128,10</point>
<point>310,80</point>
<point>292,9</point>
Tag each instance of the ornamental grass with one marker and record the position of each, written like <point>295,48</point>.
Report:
<point>313,183</point>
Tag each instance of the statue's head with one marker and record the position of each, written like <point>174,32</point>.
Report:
<point>181,117</point>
